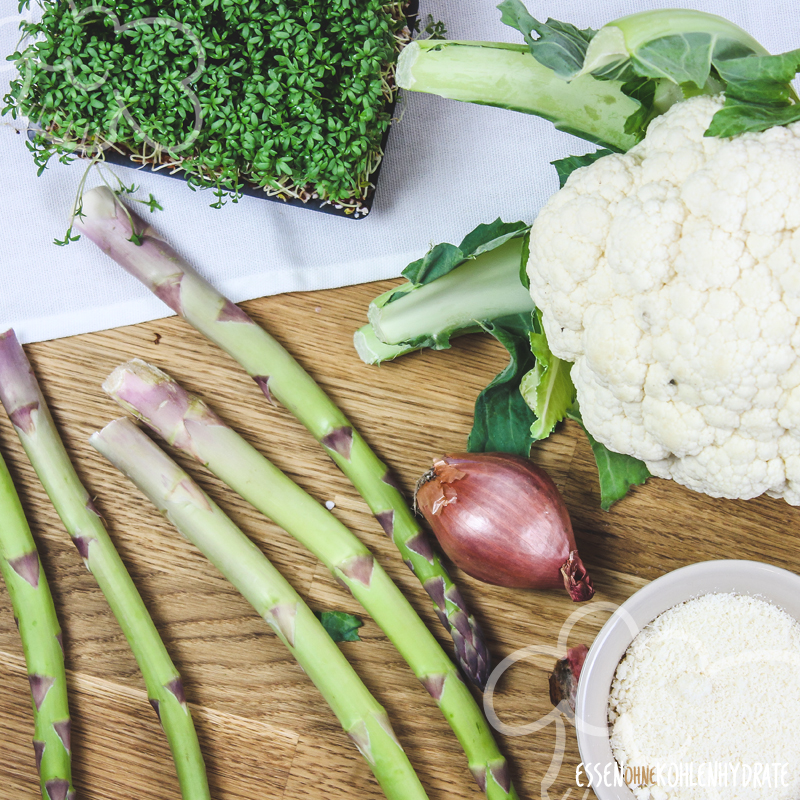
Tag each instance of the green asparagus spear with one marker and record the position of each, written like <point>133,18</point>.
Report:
<point>204,524</point>
<point>130,242</point>
<point>26,406</point>
<point>36,619</point>
<point>186,422</point>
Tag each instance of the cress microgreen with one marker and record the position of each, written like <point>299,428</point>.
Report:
<point>287,94</point>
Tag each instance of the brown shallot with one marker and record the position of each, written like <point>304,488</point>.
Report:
<point>565,676</point>
<point>501,519</point>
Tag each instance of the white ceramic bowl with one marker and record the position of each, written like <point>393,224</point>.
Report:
<point>778,586</point>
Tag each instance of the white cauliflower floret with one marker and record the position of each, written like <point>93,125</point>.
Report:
<point>670,276</point>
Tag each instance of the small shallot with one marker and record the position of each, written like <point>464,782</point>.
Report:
<point>564,678</point>
<point>501,519</point>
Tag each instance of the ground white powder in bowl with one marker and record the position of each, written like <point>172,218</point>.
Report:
<point>706,700</point>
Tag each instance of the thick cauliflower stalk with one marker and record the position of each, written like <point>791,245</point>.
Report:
<point>670,276</point>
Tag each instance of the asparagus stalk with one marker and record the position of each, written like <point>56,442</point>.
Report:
<point>204,524</point>
<point>187,423</point>
<point>26,406</point>
<point>111,226</point>
<point>36,619</point>
<point>507,76</point>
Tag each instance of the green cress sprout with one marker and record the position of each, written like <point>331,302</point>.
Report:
<point>289,96</point>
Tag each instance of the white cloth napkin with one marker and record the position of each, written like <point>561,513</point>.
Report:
<point>448,167</point>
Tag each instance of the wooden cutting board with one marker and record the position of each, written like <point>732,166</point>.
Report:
<point>265,731</point>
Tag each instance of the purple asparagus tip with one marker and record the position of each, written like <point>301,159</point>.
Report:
<point>454,596</point>
<point>435,685</point>
<point>189,492</point>
<point>175,686</point>
<point>386,520</point>
<point>359,568</point>
<point>19,392</point>
<point>27,567</point>
<point>93,508</point>
<point>38,749</point>
<point>479,773</point>
<point>22,417</point>
<point>421,545</point>
<point>263,383</point>
<point>169,292</point>
<point>40,686</point>
<point>501,775</point>
<point>230,312</point>
<point>63,729</point>
<point>471,653</point>
<point>340,440</point>
<point>57,789</point>
<point>360,736</point>
<point>82,544</point>
<point>435,588</point>
<point>443,619</point>
<point>390,480</point>
<point>284,618</point>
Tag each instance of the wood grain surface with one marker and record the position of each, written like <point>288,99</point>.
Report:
<point>264,730</point>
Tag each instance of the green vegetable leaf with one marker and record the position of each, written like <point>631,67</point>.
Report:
<point>566,166</point>
<point>514,14</point>
<point>680,58</point>
<point>503,419</point>
<point>756,77</point>
<point>617,471</point>
<point>341,627</point>
<point>560,46</point>
<point>547,388</point>
<point>736,117</point>
<point>444,258</point>
<point>523,260</point>
<point>643,90</point>
<point>758,94</point>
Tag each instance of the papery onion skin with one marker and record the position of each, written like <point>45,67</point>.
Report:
<point>501,519</point>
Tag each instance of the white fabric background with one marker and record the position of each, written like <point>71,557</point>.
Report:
<point>449,166</point>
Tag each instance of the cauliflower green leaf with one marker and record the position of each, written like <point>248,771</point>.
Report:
<point>503,419</point>
<point>444,258</point>
<point>341,626</point>
<point>758,94</point>
<point>547,388</point>
<point>566,166</point>
<point>668,55</point>
<point>617,471</point>
<point>560,46</point>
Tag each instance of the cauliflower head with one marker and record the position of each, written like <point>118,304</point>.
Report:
<point>670,276</point>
